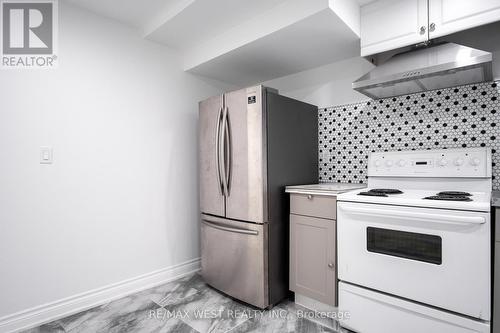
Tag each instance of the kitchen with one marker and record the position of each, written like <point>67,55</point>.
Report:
<point>281,166</point>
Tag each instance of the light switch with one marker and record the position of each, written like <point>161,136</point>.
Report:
<point>45,155</point>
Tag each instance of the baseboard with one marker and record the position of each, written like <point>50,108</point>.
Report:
<point>318,306</point>
<point>313,304</point>
<point>74,304</point>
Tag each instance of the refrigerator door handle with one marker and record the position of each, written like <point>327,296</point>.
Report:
<point>218,150</point>
<point>223,153</point>
<point>230,229</point>
<point>228,149</point>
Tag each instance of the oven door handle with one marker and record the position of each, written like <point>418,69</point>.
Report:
<point>424,217</point>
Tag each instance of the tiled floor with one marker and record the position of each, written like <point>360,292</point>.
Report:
<point>188,305</point>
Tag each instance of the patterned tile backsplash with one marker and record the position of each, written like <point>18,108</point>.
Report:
<point>463,116</point>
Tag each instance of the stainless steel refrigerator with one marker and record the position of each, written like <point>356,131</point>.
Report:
<point>252,143</point>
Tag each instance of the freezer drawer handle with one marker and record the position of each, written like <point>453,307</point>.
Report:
<point>425,217</point>
<point>237,230</point>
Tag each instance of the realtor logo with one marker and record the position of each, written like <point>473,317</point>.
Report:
<point>29,33</point>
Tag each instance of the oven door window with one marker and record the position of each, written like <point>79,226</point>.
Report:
<point>409,245</point>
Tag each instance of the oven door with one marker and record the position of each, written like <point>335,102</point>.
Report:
<point>434,256</point>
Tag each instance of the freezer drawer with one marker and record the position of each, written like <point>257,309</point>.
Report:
<point>234,258</point>
<point>373,312</point>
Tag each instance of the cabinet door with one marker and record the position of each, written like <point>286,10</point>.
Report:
<point>449,16</point>
<point>389,24</point>
<point>312,258</point>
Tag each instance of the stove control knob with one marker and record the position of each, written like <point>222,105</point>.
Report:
<point>459,161</point>
<point>475,161</point>
<point>443,162</point>
<point>377,163</point>
<point>388,163</point>
<point>401,163</point>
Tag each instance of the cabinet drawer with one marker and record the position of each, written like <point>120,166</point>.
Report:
<point>313,205</point>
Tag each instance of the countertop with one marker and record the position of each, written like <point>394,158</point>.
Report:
<point>331,189</point>
<point>495,199</point>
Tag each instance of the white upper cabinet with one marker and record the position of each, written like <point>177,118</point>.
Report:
<point>389,24</point>
<point>449,16</point>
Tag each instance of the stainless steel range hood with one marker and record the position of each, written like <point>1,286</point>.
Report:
<point>428,68</point>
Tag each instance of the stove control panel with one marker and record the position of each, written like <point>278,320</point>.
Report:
<point>457,163</point>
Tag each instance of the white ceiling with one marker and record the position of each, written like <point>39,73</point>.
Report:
<point>287,51</point>
<point>189,20</point>
<point>364,2</point>
<point>202,20</point>
<point>242,41</point>
<point>131,12</point>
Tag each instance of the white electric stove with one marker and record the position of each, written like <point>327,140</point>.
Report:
<point>414,249</point>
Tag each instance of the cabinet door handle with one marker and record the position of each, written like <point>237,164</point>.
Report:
<point>432,27</point>
<point>422,30</point>
<point>309,196</point>
<point>331,265</point>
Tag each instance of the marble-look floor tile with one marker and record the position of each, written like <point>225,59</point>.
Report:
<point>157,293</point>
<point>209,310</point>
<point>282,318</point>
<point>216,318</point>
<point>323,319</point>
<point>100,318</point>
<point>53,327</point>
<point>74,321</point>
<point>115,314</point>
<point>188,305</point>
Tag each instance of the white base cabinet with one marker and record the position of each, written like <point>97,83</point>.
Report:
<point>312,247</point>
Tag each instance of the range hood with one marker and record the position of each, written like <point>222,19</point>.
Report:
<point>431,67</point>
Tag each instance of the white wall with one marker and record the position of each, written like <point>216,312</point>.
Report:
<point>121,198</point>
<point>326,85</point>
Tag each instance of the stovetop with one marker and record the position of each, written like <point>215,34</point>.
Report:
<point>475,201</point>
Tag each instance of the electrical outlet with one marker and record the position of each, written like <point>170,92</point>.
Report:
<point>45,155</point>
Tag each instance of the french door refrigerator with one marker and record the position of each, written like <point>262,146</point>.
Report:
<point>252,143</point>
